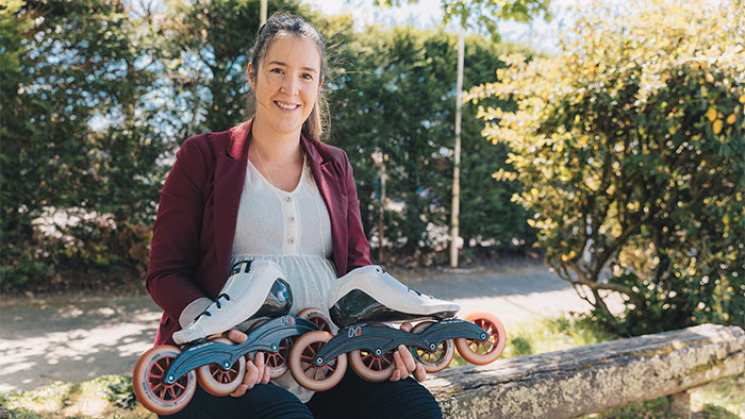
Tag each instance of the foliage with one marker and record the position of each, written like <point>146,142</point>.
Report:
<point>392,109</point>
<point>629,146</point>
<point>206,57</point>
<point>78,136</point>
<point>553,334</point>
<point>118,390</point>
<point>104,396</point>
<point>486,14</point>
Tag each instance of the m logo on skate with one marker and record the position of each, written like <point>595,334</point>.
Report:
<point>354,331</point>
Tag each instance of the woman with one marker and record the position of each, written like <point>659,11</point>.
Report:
<point>269,189</point>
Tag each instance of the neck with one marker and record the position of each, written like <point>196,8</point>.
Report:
<point>274,146</point>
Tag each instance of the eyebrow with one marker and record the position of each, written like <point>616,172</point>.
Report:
<point>285,65</point>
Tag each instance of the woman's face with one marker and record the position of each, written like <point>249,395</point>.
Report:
<point>287,84</point>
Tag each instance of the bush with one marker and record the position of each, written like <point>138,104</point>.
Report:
<point>629,146</point>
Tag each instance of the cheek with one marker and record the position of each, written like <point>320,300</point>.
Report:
<point>311,93</point>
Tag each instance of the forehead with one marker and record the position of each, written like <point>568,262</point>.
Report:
<point>295,52</point>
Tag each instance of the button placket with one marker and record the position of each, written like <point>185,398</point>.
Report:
<point>289,205</point>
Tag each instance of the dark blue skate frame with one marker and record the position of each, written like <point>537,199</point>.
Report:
<point>380,340</point>
<point>266,338</point>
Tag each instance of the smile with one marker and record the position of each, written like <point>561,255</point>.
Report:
<point>287,106</point>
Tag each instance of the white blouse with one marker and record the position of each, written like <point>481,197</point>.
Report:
<point>293,229</point>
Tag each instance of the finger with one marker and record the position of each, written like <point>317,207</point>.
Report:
<point>260,367</point>
<point>237,336</point>
<point>396,375</point>
<point>267,376</point>
<point>420,374</point>
<point>252,375</point>
<point>406,327</point>
<point>400,371</point>
<point>407,358</point>
<point>239,391</point>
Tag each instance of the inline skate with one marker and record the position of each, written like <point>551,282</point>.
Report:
<point>165,377</point>
<point>363,301</point>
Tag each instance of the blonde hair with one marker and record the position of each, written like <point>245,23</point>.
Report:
<point>277,26</point>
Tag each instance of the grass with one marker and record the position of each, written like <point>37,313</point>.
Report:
<point>108,396</point>
<point>111,396</point>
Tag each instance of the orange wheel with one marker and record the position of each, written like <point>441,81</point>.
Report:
<point>478,352</point>
<point>437,360</point>
<point>152,392</point>
<point>309,375</point>
<point>319,318</point>
<point>219,382</point>
<point>276,362</point>
<point>372,368</point>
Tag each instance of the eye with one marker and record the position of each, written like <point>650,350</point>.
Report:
<point>276,70</point>
<point>307,76</point>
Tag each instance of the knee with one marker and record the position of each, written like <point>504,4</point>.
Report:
<point>271,401</point>
<point>410,400</point>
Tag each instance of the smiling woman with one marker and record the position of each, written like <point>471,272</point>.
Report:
<point>266,193</point>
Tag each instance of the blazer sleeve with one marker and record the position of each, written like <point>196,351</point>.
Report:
<point>175,248</point>
<point>358,254</point>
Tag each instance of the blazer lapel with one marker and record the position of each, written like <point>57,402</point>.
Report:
<point>230,176</point>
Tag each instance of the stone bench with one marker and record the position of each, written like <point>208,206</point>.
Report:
<point>593,378</point>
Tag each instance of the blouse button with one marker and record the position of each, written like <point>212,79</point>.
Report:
<point>291,240</point>
<point>291,219</point>
<point>288,199</point>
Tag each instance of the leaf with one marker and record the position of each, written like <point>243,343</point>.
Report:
<point>716,127</point>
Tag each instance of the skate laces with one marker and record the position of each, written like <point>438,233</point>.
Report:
<point>420,294</point>
<point>217,303</point>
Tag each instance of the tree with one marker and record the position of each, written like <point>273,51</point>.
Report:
<point>629,146</point>
<point>486,14</point>
<point>77,140</point>
<point>393,94</point>
<point>207,57</point>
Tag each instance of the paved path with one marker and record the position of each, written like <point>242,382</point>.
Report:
<point>77,338</point>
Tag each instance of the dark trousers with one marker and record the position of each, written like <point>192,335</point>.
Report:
<point>352,398</point>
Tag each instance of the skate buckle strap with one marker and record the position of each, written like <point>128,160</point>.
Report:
<point>217,303</point>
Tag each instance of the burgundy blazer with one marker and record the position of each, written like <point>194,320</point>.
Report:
<point>193,233</point>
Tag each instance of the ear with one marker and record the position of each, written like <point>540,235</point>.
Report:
<point>251,76</point>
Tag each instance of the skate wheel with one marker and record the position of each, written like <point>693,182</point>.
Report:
<point>301,363</point>
<point>219,382</point>
<point>276,362</point>
<point>319,318</point>
<point>370,367</point>
<point>478,352</point>
<point>437,360</point>
<point>147,381</point>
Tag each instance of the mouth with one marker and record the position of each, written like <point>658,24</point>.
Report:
<point>287,106</point>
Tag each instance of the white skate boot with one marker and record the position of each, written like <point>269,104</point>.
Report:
<point>370,294</point>
<point>254,289</point>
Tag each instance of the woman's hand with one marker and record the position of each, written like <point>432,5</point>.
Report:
<point>405,362</point>
<point>256,371</point>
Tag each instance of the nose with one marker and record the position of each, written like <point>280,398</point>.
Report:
<point>290,85</point>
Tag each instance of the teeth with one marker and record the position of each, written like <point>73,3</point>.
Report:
<point>286,106</point>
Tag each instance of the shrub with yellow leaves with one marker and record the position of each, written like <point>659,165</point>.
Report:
<point>630,147</point>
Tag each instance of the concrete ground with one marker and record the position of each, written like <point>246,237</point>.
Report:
<point>78,337</point>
